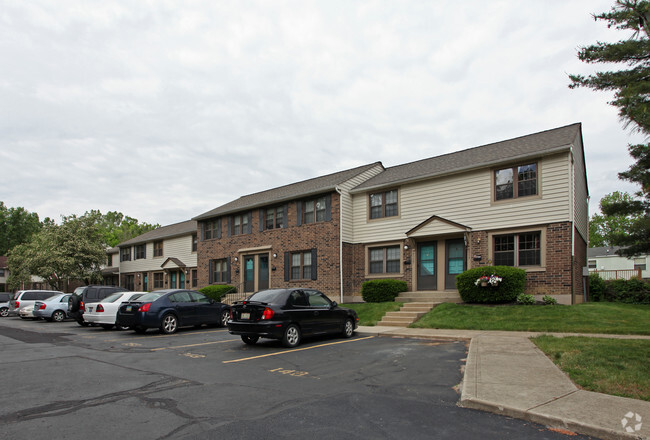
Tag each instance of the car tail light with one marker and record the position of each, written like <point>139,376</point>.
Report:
<point>17,304</point>
<point>99,308</point>
<point>144,307</point>
<point>231,317</point>
<point>82,306</point>
<point>42,307</point>
<point>267,313</point>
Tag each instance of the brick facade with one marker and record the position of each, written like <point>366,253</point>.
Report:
<point>323,236</point>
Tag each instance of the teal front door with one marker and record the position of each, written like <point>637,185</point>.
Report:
<point>456,261</point>
<point>426,267</point>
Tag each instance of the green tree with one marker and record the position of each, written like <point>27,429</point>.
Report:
<point>631,87</point>
<point>16,226</point>
<point>73,250</point>
<point>116,227</point>
<point>606,230</point>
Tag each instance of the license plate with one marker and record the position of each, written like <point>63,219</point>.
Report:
<point>245,316</point>
<point>129,308</point>
<point>90,309</point>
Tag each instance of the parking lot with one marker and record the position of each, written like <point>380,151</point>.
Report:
<point>67,381</point>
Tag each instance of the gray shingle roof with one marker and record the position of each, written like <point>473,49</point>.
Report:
<point>175,230</point>
<point>531,145</point>
<point>288,192</point>
<point>606,251</point>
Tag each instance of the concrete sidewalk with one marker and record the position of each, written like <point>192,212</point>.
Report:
<point>507,374</point>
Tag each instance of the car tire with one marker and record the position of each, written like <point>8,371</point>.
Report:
<point>58,316</point>
<point>169,324</point>
<point>140,330</point>
<point>348,328</point>
<point>107,326</point>
<point>250,340</point>
<point>74,303</point>
<point>122,327</point>
<point>4,312</point>
<point>291,336</point>
<point>225,316</point>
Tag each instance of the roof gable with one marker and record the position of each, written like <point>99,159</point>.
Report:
<point>435,225</point>
<point>176,230</point>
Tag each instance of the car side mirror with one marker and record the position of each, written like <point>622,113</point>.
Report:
<point>334,304</point>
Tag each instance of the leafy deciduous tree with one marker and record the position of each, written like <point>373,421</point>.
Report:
<point>16,226</point>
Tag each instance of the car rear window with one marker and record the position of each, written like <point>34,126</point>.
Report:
<point>148,297</point>
<point>45,295</point>
<point>268,296</point>
<point>4,297</point>
<point>112,298</point>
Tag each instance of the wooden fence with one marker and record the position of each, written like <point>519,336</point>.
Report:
<point>623,274</point>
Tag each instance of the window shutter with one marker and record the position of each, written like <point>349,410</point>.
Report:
<point>314,265</point>
<point>228,270</point>
<point>261,219</point>
<point>328,209</point>
<point>219,228</point>
<point>230,226</point>
<point>285,216</point>
<point>250,223</point>
<point>202,231</point>
<point>299,213</point>
<point>287,266</point>
<point>210,272</point>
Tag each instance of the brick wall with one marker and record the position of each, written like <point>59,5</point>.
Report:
<point>323,236</point>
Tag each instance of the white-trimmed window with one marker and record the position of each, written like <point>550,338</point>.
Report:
<point>521,249</point>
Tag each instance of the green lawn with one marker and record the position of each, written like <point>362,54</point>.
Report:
<point>613,366</point>
<point>371,313</point>
<point>612,318</point>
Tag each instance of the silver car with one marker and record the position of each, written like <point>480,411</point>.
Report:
<point>4,303</point>
<point>52,309</point>
<point>24,298</point>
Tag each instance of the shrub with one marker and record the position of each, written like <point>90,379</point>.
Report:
<point>513,283</point>
<point>382,290</point>
<point>526,300</point>
<point>633,291</point>
<point>216,292</point>
<point>596,287</point>
<point>549,300</point>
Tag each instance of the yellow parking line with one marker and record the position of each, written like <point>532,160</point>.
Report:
<point>296,349</point>
<point>190,345</point>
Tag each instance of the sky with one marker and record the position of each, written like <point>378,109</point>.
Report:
<point>163,110</point>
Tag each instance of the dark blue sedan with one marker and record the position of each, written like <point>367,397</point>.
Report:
<point>168,310</point>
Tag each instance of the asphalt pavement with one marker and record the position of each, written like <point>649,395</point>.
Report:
<point>507,374</point>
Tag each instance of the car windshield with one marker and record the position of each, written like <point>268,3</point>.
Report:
<point>79,290</point>
<point>148,297</point>
<point>267,296</point>
<point>113,297</point>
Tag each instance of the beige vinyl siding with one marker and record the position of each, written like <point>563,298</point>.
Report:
<point>467,199</point>
<point>177,247</point>
<point>346,200</point>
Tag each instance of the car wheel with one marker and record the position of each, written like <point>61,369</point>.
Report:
<point>107,326</point>
<point>58,316</point>
<point>4,312</point>
<point>225,316</point>
<point>82,323</point>
<point>169,324</point>
<point>140,330</point>
<point>291,336</point>
<point>249,340</point>
<point>348,328</point>
<point>122,327</point>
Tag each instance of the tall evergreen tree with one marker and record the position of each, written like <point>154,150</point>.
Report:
<point>631,89</point>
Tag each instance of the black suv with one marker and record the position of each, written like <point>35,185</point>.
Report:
<point>88,294</point>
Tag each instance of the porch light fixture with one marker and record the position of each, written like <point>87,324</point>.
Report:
<point>236,259</point>
<point>406,247</point>
<point>275,255</point>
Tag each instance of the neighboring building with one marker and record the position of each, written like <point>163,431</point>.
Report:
<point>521,202</point>
<point>609,265</point>
<point>4,274</point>
<point>164,258</point>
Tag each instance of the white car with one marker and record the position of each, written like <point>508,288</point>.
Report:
<point>27,312</point>
<point>103,313</point>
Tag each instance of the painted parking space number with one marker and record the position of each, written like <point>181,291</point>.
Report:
<point>289,372</point>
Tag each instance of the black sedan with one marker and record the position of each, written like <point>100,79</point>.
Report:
<point>288,315</point>
<point>168,310</point>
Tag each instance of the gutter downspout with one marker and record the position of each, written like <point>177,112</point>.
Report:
<point>336,188</point>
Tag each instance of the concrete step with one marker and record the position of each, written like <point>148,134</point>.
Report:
<point>408,314</point>
<point>430,297</point>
